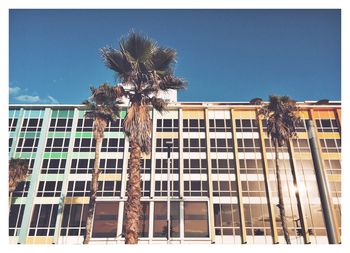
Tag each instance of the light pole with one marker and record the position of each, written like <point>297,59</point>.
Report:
<point>168,144</point>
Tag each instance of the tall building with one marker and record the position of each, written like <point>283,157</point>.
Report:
<point>219,176</point>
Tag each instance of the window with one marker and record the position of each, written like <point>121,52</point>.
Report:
<point>193,125</point>
<point>12,125</point>
<point>43,220</point>
<point>196,219</point>
<point>84,125</point>
<point>84,145</point>
<point>160,228</point>
<point>53,166</point>
<point>105,219</point>
<point>112,145</point>
<point>31,125</point>
<point>84,166</point>
<point>78,189</point>
<point>226,219</point>
<point>74,220</point>
<point>109,188</point>
<point>27,144</point>
<point>15,219</point>
<point>57,145</point>
<point>49,189</point>
<point>21,189</point>
<point>167,125</point>
<point>61,125</point>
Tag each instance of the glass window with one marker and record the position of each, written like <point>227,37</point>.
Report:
<point>160,219</point>
<point>196,219</point>
<point>105,219</point>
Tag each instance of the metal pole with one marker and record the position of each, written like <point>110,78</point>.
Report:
<point>321,179</point>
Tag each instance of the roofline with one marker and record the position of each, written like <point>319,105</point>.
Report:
<point>213,105</point>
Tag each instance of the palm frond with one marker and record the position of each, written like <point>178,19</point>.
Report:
<point>281,114</point>
<point>117,61</point>
<point>138,49</point>
<point>163,60</point>
<point>171,82</point>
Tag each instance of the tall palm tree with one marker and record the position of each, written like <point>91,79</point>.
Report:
<point>18,169</point>
<point>144,70</point>
<point>103,108</point>
<point>281,116</point>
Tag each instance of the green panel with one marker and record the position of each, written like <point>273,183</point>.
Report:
<point>114,135</point>
<point>12,134</point>
<point>26,155</point>
<point>29,135</point>
<point>84,155</point>
<point>55,155</point>
<point>122,114</point>
<point>54,114</point>
<point>33,114</point>
<point>18,200</point>
<point>58,135</point>
<point>62,114</point>
<point>81,114</point>
<point>13,113</point>
<point>51,177</point>
<point>84,135</point>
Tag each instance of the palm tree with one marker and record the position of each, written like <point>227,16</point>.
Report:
<point>281,116</point>
<point>144,70</point>
<point>18,169</point>
<point>103,108</point>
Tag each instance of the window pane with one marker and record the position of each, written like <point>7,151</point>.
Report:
<point>196,219</point>
<point>105,219</point>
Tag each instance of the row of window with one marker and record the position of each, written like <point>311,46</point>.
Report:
<point>106,219</point>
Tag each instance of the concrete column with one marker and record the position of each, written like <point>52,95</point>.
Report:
<point>238,181</point>
<point>326,201</point>
<point>34,178</point>
<point>267,185</point>
<point>65,180</point>
<point>210,180</point>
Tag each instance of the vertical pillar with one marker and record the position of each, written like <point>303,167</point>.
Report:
<point>181,156</point>
<point>238,181</point>
<point>65,179</point>
<point>16,133</point>
<point>34,178</point>
<point>181,176</point>
<point>303,223</point>
<point>267,185</point>
<point>210,179</point>
<point>153,153</point>
<point>326,201</point>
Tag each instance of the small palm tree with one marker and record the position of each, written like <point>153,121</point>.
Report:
<point>144,69</point>
<point>103,108</point>
<point>281,116</point>
<point>18,169</point>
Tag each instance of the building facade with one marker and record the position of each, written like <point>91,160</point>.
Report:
<point>218,176</point>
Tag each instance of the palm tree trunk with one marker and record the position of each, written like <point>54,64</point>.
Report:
<point>280,197</point>
<point>93,192</point>
<point>133,206</point>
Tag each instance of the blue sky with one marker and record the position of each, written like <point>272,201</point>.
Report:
<point>225,55</point>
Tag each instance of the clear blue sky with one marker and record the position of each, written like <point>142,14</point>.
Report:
<point>225,55</point>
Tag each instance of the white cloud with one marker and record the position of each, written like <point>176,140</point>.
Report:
<point>52,100</point>
<point>22,96</point>
<point>14,90</point>
<point>28,99</point>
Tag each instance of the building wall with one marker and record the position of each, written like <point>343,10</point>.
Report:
<point>222,176</point>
